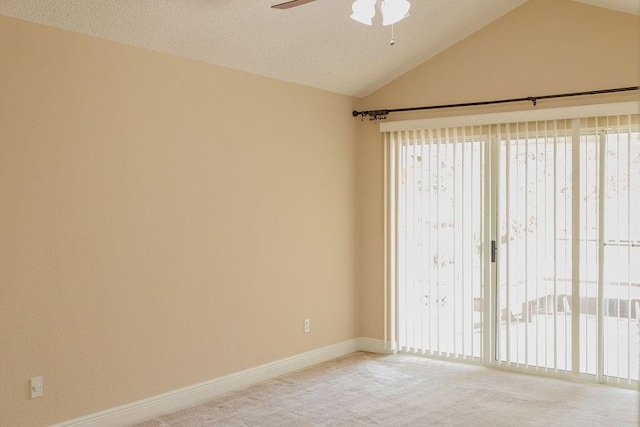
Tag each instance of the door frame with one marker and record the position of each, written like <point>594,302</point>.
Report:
<point>492,200</point>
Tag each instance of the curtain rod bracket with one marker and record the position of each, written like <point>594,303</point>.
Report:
<point>372,114</point>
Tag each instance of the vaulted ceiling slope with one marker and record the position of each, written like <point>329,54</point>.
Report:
<point>316,45</point>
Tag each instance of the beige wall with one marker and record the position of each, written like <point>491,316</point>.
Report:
<point>162,222</point>
<point>165,222</point>
<point>543,47</point>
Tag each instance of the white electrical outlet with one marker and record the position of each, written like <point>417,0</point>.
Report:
<point>307,325</point>
<point>36,387</point>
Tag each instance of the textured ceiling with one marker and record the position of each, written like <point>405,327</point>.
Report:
<point>316,44</point>
<point>628,6</point>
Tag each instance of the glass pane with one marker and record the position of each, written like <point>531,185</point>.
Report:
<point>440,195</point>
<point>534,231</point>
<point>621,305</point>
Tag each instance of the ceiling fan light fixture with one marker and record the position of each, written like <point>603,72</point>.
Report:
<point>363,11</point>
<point>394,11</point>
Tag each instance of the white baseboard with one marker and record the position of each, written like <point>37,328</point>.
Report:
<point>372,345</point>
<point>189,396</point>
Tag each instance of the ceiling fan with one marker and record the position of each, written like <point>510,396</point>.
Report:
<point>363,10</point>
<point>291,3</point>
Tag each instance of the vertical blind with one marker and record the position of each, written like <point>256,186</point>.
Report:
<point>438,195</point>
<point>612,150</point>
<point>534,274</point>
<point>560,199</point>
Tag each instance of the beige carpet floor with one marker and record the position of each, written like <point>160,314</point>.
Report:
<point>369,389</point>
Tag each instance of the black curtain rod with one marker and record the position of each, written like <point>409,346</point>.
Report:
<point>382,114</point>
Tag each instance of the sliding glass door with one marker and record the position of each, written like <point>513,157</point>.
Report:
<point>619,246</point>
<point>519,244</point>
<point>534,294</point>
<point>439,196</point>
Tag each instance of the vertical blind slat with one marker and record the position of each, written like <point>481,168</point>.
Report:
<point>554,183</point>
<point>629,201</point>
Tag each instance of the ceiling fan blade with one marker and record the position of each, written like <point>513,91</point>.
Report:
<point>290,4</point>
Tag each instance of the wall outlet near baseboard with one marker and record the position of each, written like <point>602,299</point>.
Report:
<point>307,326</point>
<point>35,387</point>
